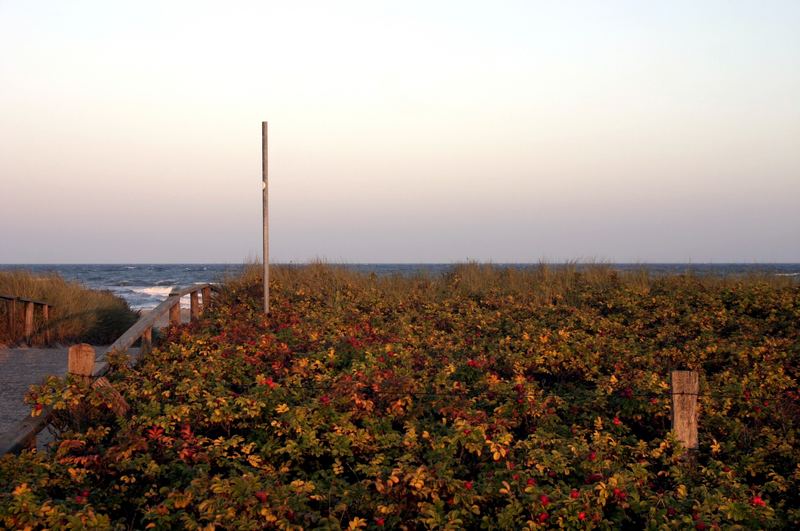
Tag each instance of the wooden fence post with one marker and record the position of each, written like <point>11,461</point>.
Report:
<point>28,322</point>
<point>206,298</point>
<point>147,341</point>
<point>80,361</point>
<point>175,313</point>
<point>685,388</point>
<point>194,305</point>
<point>46,316</point>
<point>12,319</point>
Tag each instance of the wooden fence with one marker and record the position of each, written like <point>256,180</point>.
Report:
<point>28,307</point>
<point>25,432</point>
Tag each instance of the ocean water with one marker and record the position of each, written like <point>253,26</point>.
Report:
<point>146,285</point>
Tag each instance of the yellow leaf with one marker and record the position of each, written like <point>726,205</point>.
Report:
<point>715,447</point>
<point>182,501</point>
<point>357,523</point>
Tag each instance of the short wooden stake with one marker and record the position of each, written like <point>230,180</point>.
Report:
<point>80,361</point>
<point>685,388</point>
<point>28,322</point>
<point>118,403</point>
<point>194,304</point>
<point>206,298</point>
<point>147,341</point>
<point>175,314</point>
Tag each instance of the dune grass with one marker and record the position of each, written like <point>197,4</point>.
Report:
<point>541,283</point>
<point>77,314</point>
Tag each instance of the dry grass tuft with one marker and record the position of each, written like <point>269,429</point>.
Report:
<point>540,284</point>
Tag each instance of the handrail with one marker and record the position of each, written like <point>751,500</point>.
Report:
<point>132,334</point>
<point>189,289</point>
<point>23,299</point>
<point>27,317</point>
<point>24,435</point>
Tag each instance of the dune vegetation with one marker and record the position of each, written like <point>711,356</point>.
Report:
<point>77,313</point>
<point>485,398</point>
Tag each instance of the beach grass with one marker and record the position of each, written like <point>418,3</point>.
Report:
<point>541,283</point>
<point>77,314</point>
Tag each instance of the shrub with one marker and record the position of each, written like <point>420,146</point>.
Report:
<point>466,401</point>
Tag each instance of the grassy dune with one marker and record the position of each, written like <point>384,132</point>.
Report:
<point>78,313</point>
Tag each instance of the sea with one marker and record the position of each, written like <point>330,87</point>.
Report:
<point>144,286</point>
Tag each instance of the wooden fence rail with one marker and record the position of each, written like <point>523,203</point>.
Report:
<point>28,307</point>
<point>26,430</point>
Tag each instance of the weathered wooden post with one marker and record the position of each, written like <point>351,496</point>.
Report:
<point>685,388</point>
<point>80,361</point>
<point>194,306</point>
<point>116,401</point>
<point>12,319</point>
<point>46,318</point>
<point>175,313</point>
<point>265,209</point>
<point>147,341</point>
<point>28,322</point>
<point>206,297</point>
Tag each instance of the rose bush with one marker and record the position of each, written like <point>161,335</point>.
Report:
<point>482,399</point>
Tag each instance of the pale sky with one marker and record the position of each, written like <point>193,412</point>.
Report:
<point>408,131</point>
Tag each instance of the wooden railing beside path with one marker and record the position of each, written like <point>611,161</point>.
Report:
<point>28,307</point>
<point>24,434</point>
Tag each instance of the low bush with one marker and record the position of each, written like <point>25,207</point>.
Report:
<point>486,398</point>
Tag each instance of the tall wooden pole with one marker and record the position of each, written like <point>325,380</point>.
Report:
<point>264,174</point>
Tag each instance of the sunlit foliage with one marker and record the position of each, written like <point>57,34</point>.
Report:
<point>487,398</point>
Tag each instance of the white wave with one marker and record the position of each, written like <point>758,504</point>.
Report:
<point>154,291</point>
<point>787,274</point>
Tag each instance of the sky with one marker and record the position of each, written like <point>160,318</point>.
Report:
<point>408,131</point>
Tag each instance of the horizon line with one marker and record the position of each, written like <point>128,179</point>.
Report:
<point>453,262</point>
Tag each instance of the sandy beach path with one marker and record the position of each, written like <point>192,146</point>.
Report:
<point>22,367</point>
<point>19,368</point>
